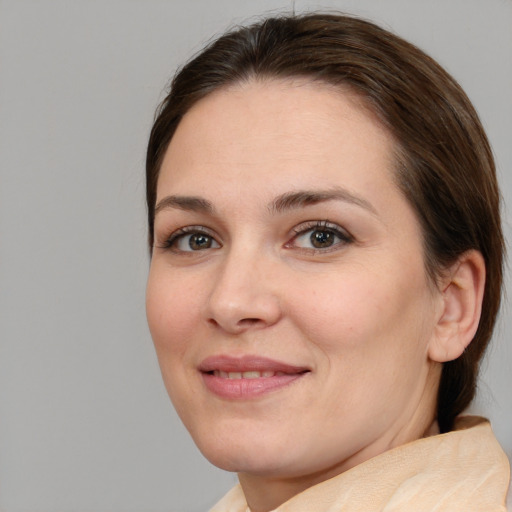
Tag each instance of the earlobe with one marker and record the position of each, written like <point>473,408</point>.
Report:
<point>462,291</point>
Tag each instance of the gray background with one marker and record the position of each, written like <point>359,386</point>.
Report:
<point>85,423</point>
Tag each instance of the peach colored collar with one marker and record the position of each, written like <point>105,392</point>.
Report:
<point>465,469</point>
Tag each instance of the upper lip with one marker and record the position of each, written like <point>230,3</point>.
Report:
<point>247,363</point>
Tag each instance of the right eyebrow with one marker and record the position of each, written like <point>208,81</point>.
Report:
<point>187,203</point>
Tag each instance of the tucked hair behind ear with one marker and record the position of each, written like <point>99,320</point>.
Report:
<point>444,164</point>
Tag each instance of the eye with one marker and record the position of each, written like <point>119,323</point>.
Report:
<point>191,239</point>
<point>320,236</point>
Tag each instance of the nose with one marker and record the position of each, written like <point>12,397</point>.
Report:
<point>244,295</point>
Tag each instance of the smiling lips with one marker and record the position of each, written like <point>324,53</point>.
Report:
<point>248,376</point>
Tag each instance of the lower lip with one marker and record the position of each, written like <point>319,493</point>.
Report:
<point>247,388</point>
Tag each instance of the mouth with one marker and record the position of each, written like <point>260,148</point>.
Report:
<point>248,376</point>
<point>251,374</point>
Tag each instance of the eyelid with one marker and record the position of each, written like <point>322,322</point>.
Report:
<point>169,241</point>
<point>325,225</point>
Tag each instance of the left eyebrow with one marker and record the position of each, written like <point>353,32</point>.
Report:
<point>300,198</point>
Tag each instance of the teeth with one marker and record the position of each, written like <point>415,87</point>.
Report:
<point>251,375</point>
<point>245,375</point>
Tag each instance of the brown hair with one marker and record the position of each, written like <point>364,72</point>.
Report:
<point>444,164</point>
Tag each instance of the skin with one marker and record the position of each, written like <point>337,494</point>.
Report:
<point>361,314</point>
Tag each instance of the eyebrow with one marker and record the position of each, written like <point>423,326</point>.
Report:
<point>281,204</point>
<point>187,203</point>
<point>301,198</point>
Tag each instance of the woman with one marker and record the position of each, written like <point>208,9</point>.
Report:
<point>326,269</point>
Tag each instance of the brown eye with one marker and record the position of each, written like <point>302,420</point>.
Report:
<point>191,241</point>
<point>321,239</point>
<point>199,241</point>
<point>321,236</point>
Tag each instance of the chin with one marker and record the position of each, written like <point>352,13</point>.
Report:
<point>249,463</point>
<point>252,463</point>
<point>249,452</point>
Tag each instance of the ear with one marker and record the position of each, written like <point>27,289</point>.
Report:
<point>462,291</point>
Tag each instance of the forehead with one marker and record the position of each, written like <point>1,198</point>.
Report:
<point>279,129</point>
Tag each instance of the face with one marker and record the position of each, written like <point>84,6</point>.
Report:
<point>287,296</point>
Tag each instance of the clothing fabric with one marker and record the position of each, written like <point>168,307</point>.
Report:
<point>461,471</point>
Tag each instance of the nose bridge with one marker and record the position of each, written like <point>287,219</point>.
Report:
<point>243,294</point>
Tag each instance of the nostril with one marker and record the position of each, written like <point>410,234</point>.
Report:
<point>249,321</point>
<point>242,324</point>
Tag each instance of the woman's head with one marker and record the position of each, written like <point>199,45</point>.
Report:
<point>440,160</point>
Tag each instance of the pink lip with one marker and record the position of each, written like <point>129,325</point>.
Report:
<point>246,364</point>
<point>245,388</point>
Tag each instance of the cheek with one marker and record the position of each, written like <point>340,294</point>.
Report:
<point>334,310</point>
<point>172,311</point>
<point>369,334</point>
<point>364,313</point>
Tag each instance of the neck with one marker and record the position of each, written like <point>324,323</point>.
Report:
<point>264,494</point>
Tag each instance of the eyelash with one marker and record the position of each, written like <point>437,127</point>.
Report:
<point>325,227</point>
<point>300,231</point>
<point>171,242</point>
